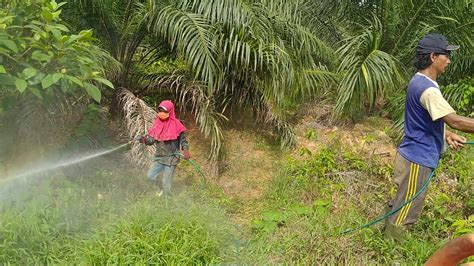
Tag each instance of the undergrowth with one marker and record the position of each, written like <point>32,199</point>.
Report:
<point>110,217</point>
<point>319,195</point>
<point>94,215</point>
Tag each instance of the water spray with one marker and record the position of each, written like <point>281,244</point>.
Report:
<point>68,162</point>
<point>63,163</point>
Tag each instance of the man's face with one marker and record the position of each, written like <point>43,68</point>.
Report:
<point>440,62</point>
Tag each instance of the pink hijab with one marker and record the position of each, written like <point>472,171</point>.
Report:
<point>168,129</point>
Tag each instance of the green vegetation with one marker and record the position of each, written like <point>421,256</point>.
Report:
<point>103,216</point>
<point>41,56</point>
<point>72,74</point>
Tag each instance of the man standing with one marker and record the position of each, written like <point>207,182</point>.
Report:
<point>426,112</point>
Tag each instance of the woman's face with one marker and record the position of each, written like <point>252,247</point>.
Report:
<point>163,114</point>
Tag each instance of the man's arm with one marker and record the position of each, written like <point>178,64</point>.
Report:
<point>438,108</point>
<point>458,122</point>
<point>453,252</point>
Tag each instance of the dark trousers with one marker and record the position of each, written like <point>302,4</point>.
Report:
<point>409,177</point>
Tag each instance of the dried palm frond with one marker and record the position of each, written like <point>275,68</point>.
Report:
<point>68,110</point>
<point>139,118</point>
<point>32,118</point>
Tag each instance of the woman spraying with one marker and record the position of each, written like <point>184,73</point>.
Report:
<point>168,135</point>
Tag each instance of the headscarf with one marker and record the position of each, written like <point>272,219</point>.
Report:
<point>168,129</point>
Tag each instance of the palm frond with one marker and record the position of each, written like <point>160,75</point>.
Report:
<point>239,15</point>
<point>139,118</point>
<point>396,109</point>
<point>368,73</point>
<point>191,35</point>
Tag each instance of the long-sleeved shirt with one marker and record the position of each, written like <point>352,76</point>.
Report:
<point>167,152</point>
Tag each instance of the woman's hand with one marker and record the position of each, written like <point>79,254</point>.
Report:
<point>186,155</point>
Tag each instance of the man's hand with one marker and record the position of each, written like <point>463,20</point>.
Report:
<point>454,140</point>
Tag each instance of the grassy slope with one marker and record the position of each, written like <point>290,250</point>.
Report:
<point>267,207</point>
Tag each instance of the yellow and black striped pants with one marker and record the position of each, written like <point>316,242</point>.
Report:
<point>409,177</point>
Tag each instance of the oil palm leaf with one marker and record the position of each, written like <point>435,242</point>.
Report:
<point>368,73</point>
<point>190,34</point>
<point>139,118</point>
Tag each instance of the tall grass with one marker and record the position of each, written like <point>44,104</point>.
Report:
<point>111,217</point>
<point>98,214</point>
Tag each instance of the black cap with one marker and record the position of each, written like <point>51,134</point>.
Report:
<point>435,43</point>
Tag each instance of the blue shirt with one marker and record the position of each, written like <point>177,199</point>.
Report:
<point>424,138</point>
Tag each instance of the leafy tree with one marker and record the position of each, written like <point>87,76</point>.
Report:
<point>47,73</point>
<point>40,56</point>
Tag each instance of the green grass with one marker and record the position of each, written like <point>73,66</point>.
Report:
<point>105,213</point>
<point>111,217</point>
<point>316,198</point>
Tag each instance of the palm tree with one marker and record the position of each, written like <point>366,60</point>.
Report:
<point>253,55</point>
<point>377,40</point>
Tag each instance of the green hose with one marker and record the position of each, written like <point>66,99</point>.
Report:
<point>385,216</point>
<point>198,169</point>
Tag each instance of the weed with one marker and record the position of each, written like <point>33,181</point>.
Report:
<point>103,217</point>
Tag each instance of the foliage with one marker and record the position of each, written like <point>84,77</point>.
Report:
<point>461,96</point>
<point>106,213</point>
<point>174,236</point>
<point>462,227</point>
<point>248,55</point>
<point>388,40</point>
<point>48,73</point>
<point>319,195</point>
<point>40,56</point>
<point>90,122</point>
<point>369,74</point>
<point>101,215</point>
